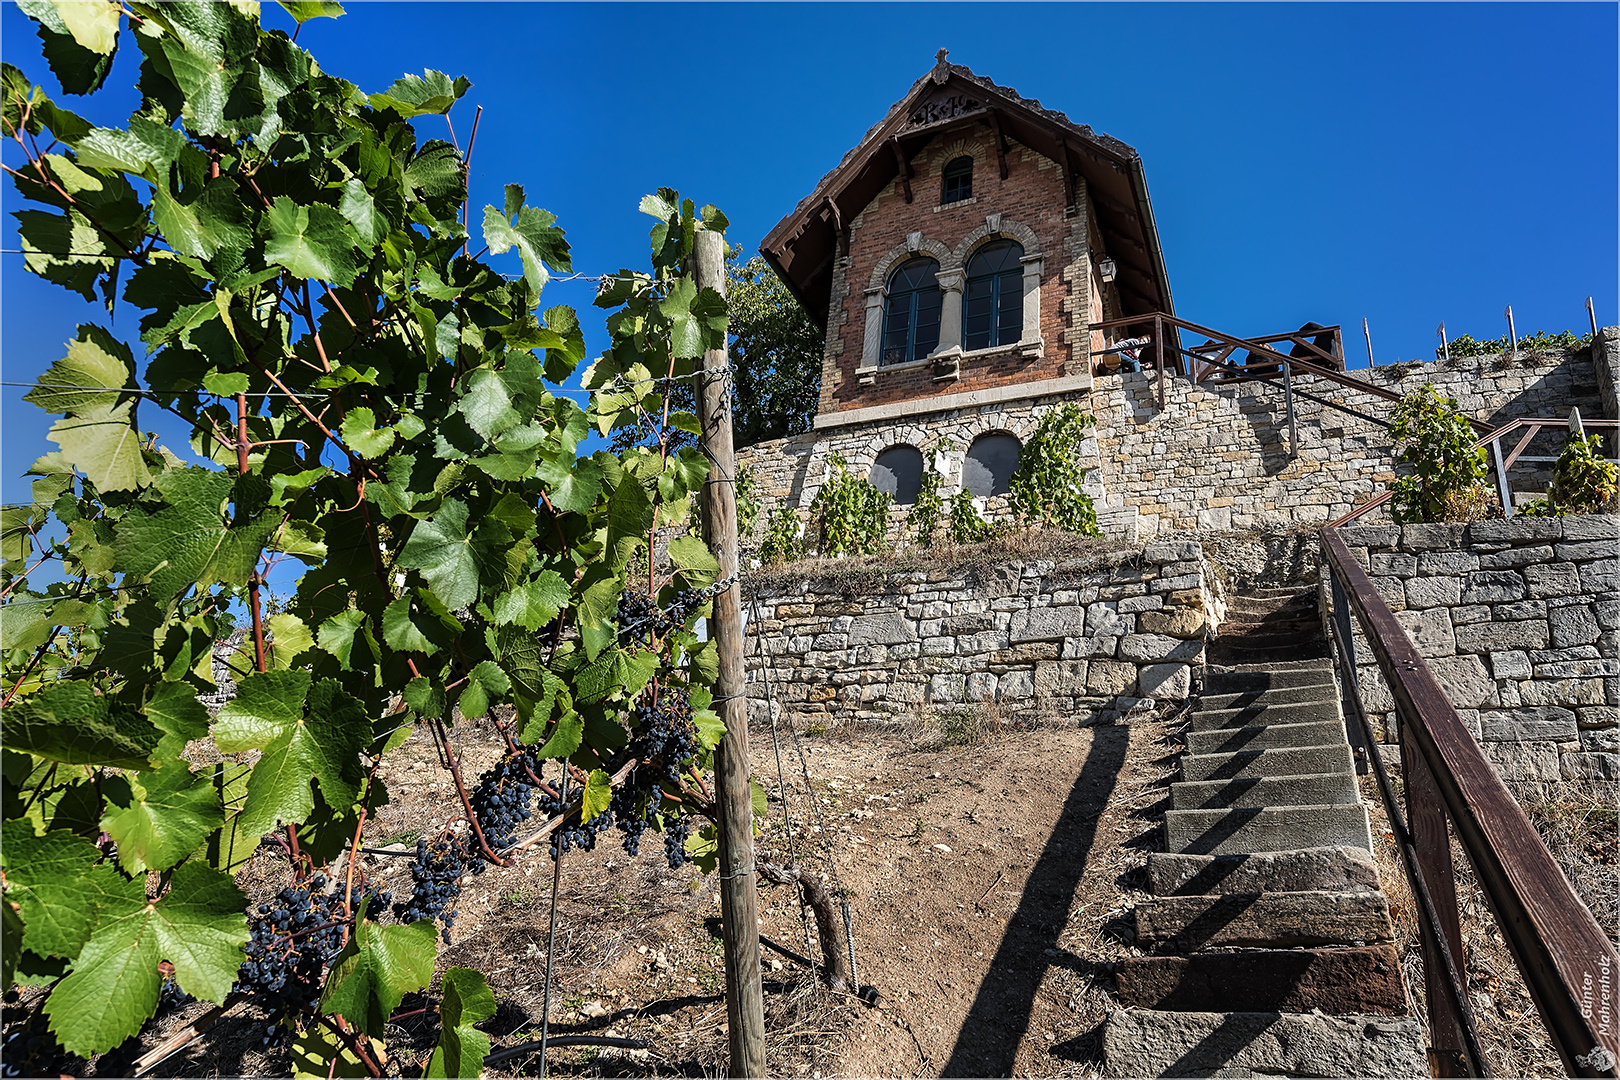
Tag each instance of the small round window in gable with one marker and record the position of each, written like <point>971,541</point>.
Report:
<point>898,471</point>
<point>990,464</point>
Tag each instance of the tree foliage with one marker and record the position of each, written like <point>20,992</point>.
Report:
<point>371,403</point>
<point>776,350</point>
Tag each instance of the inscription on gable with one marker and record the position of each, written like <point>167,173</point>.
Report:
<point>944,107</point>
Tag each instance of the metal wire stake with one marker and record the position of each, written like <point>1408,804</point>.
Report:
<point>551,933</point>
<point>849,940</point>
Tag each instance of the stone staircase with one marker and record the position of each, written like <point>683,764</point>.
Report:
<point>1270,936</point>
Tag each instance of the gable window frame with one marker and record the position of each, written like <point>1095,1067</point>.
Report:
<point>956,180</point>
<point>1000,290</point>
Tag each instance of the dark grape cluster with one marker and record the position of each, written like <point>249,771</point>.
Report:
<point>501,801</point>
<point>641,619</point>
<point>581,834</point>
<point>436,880</point>
<point>31,1050</point>
<point>664,738</point>
<point>292,938</point>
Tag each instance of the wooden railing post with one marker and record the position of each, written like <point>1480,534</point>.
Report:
<point>1158,345</point>
<point>1426,817</point>
<point>1288,401</point>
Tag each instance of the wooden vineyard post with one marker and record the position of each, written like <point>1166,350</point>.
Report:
<point>739,894</point>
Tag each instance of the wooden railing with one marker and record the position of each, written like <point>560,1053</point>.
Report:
<point>1569,966</point>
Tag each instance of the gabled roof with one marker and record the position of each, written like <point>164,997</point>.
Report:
<point>802,246</point>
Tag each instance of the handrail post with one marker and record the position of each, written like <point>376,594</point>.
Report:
<point>1158,345</point>
<point>1288,398</point>
<point>1503,490</point>
<point>1359,746</point>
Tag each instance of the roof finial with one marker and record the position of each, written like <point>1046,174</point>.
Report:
<point>942,69</point>
<point>940,56</point>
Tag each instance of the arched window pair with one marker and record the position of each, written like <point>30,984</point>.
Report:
<point>987,470</point>
<point>992,304</point>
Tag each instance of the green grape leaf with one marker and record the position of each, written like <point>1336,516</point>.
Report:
<point>96,367</point>
<point>692,555</point>
<point>319,1054</point>
<point>462,1047</point>
<point>289,639</point>
<point>573,485</point>
<point>47,877</point>
<point>756,798</point>
<point>64,249</point>
<point>189,541</point>
<point>102,442</point>
<point>539,242</point>
<point>268,714</point>
<point>423,696</point>
<point>362,435</point>
<point>442,548</point>
<point>305,10</point>
<point>430,92</point>
<point>487,404</point>
<point>174,708</point>
<point>311,241</point>
<point>565,739</point>
<point>704,849</point>
<point>534,604</point>
<point>597,796</point>
<point>400,631</point>
<point>170,812</point>
<point>710,728</point>
<point>146,149</point>
<point>215,222</point>
<point>198,926</point>
<point>337,635</point>
<point>362,212</point>
<point>374,972</point>
<point>434,176</point>
<point>212,61</point>
<point>80,70</point>
<point>485,679</point>
<point>68,722</point>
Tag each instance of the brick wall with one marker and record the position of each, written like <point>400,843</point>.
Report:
<point>1083,638</point>
<point>1520,622</point>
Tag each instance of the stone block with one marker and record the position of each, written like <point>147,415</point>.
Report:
<point>1104,620</point>
<point>1493,587</point>
<point>1329,869</point>
<point>1438,536</point>
<point>1216,832</point>
<point>1585,766</point>
<point>1543,723</point>
<point>1584,550</point>
<point>1430,630</point>
<point>1165,682</point>
<point>1520,609</point>
<point>1081,648</point>
<point>1516,557</point>
<point>1592,527</point>
<point>1522,761</point>
<point>1601,576</point>
<point>1512,664</point>
<point>1110,677</point>
<point>1444,563</point>
<point>1174,622</point>
<point>1592,716</point>
<point>1577,669</point>
<point>1552,579</point>
<point>1177,551</point>
<point>946,687</point>
<point>1466,682</point>
<point>1519,530</point>
<point>1178,582</point>
<point>970,623</point>
<point>1063,678</point>
<point>1271,920</point>
<point>1371,536</point>
<point>1319,790</point>
<point>939,646</point>
<point>1465,614</point>
<point>887,629</point>
<point>981,686</point>
<point>1046,624</point>
<point>1505,636</point>
<point>1392,563</point>
<point>1028,653</point>
<point>1158,648</point>
<point>985,642</point>
<point>1392,590</point>
<point>1563,692</point>
<point>1575,625</point>
<point>1433,592</point>
<point>1132,604</point>
<point>1604,740</point>
<point>1147,1042</point>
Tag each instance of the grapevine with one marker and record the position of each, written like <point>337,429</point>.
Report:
<point>361,360</point>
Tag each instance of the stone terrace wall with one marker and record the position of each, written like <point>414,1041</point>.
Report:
<point>1520,622</point>
<point>1084,638</point>
<point>1216,457</point>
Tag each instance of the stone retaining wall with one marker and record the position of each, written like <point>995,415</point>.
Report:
<point>1520,622</point>
<point>1085,638</point>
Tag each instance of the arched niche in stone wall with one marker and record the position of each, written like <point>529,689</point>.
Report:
<point>898,471</point>
<point>990,462</point>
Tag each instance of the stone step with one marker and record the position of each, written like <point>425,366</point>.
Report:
<point>1265,712</point>
<point>1265,737</point>
<point>1282,695</point>
<point>1245,622</point>
<point>1246,646</point>
<point>1295,761</point>
<point>1359,980</point>
<point>1312,790</point>
<point>1329,869</point>
<point>1262,920</point>
<point>1140,1042</point>
<point>1250,677</point>
<point>1279,590</point>
<point>1248,829</point>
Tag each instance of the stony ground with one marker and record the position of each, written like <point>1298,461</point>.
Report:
<point>989,873</point>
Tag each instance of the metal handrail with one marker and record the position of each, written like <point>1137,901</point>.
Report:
<point>1556,943</point>
<point>1503,464</point>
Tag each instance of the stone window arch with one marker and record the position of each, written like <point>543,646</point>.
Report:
<point>990,463</point>
<point>899,471</point>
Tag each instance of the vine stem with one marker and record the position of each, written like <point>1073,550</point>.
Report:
<point>336,1024</point>
<point>243,445</point>
<point>348,879</point>
<point>461,789</point>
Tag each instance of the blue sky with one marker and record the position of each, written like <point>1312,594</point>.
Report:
<point>1406,163</point>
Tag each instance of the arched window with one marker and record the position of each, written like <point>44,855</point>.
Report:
<point>911,316</point>
<point>993,302</point>
<point>958,180</point>
<point>990,464</point>
<point>898,471</point>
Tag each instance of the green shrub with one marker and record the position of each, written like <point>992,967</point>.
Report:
<point>1464,345</point>
<point>927,511</point>
<point>1045,488</point>
<point>1584,481</point>
<point>854,515</point>
<point>781,543</point>
<point>1447,482</point>
<point>967,527</point>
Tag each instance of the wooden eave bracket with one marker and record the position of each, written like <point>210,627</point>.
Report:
<point>904,164</point>
<point>842,242</point>
<point>1001,143</point>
